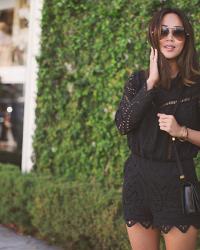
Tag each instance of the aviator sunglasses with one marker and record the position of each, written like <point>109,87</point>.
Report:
<point>177,32</point>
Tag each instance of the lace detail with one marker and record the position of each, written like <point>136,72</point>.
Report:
<point>186,99</point>
<point>183,228</point>
<point>166,228</point>
<point>163,228</point>
<point>145,224</point>
<point>134,102</point>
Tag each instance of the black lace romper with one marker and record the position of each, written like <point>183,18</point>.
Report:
<point>151,191</point>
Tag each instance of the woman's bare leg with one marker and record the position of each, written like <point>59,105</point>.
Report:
<point>176,240</point>
<point>142,238</point>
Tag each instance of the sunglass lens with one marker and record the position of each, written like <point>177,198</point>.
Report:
<point>179,33</point>
<point>164,32</point>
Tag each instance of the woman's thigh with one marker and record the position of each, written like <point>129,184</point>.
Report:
<point>142,238</point>
<point>175,239</point>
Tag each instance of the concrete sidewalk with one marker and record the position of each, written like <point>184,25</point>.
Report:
<point>9,240</point>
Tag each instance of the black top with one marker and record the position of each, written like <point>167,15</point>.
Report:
<point>137,117</point>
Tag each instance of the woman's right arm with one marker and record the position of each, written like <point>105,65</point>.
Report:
<point>133,104</point>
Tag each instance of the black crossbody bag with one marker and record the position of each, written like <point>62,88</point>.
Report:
<point>190,192</point>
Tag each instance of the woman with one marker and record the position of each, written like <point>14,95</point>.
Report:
<point>151,188</point>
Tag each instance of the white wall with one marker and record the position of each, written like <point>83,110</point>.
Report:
<point>30,84</point>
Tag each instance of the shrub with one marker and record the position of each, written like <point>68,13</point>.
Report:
<point>74,214</point>
<point>16,193</point>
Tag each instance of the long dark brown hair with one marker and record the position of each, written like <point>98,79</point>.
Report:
<point>187,61</point>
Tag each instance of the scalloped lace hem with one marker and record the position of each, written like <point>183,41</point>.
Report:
<point>163,228</point>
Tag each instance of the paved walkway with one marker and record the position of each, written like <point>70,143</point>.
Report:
<point>9,240</point>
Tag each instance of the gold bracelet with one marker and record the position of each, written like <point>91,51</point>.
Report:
<point>184,134</point>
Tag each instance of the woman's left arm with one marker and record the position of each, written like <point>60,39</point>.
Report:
<point>193,136</point>
<point>169,124</point>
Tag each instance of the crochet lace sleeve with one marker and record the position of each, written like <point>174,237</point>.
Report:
<point>133,104</point>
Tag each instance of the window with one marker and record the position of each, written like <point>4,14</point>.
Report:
<point>14,24</point>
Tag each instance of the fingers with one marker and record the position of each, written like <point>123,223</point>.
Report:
<point>151,54</point>
<point>153,66</point>
<point>164,119</point>
<point>164,116</point>
<point>167,123</point>
<point>154,54</point>
<point>163,122</point>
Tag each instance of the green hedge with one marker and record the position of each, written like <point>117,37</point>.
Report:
<point>87,50</point>
<point>79,215</point>
<point>76,215</point>
<point>16,192</point>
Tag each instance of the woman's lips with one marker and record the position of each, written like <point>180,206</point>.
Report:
<point>169,47</point>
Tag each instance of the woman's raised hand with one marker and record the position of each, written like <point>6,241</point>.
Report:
<point>153,69</point>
